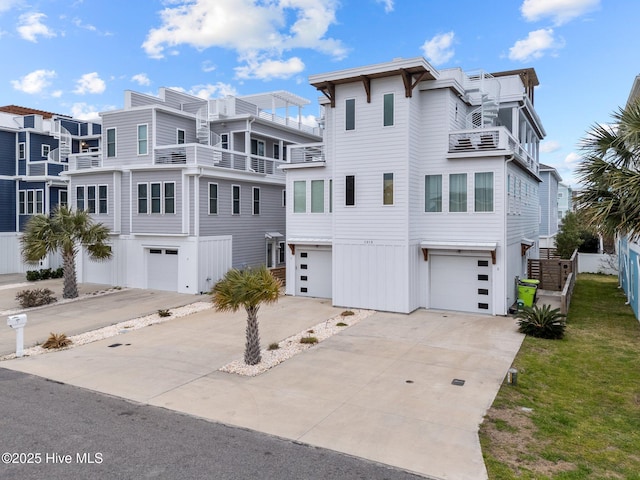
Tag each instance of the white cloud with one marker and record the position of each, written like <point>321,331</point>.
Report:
<point>30,26</point>
<point>84,111</point>
<point>141,79</point>
<point>560,11</point>
<point>572,158</point>
<point>388,5</point>
<point>535,45</point>
<point>56,93</point>
<point>6,5</point>
<point>90,83</point>
<point>439,49</point>
<point>267,69</point>
<point>207,66</point>
<point>34,82</point>
<point>252,28</point>
<point>209,90</point>
<point>78,23</point>
<point>550,146</point>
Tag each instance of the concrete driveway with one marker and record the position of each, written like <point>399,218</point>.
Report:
<point>380,390</point>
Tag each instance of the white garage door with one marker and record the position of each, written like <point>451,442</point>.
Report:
<point>461,283</point>
<point>313,271</point>
<point>162,269</point>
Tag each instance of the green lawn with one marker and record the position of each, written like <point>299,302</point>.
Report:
<point>575,413</point>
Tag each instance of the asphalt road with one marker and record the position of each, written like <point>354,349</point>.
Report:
<point>56,431</point>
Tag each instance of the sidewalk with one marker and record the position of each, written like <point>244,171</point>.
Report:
<point>380,390</point>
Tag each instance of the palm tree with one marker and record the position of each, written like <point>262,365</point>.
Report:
<point>610,173</point>
<point>67,231</point>
<point>247,288</point>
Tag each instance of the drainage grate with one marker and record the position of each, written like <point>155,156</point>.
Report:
<point>457,382</point>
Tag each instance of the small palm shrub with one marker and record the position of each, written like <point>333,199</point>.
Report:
<point>57,340</point>
<point>308,340</point>
<point>542,322</point>
<point>35,297</point>
<point>164,312</point>
<point>273,346</point>
<point>347,313</point>
<point>341,324</point>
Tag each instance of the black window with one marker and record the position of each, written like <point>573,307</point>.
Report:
<point>350,190</point>
<point>350,114</point>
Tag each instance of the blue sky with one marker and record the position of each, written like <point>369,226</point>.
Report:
<point>77,57</point>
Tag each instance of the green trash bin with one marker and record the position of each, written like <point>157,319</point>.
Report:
<point>527,289</point>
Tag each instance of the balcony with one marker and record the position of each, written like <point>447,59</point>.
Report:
<point>83,161</point>
<point>45,168</point>
<point>486,142</point>
<point>305,153</point>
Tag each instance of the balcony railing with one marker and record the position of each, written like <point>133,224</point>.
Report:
<point>290,122</point>
<point>486,140</point>
<point>45,168</point>
<point>83,161</point>
<point>307,152</point>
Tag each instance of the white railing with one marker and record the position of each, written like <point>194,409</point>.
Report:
<point>289,122</point>
<point>474,141</point>
<point>84,161</point>
<point>45,168</point>
<point>306,152</point>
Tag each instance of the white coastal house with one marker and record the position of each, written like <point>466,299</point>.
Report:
<point>423,192</point>
<point>549,194</point>
<point>189,187</point>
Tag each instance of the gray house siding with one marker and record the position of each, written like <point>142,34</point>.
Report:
<point>544,203</point>
<point>126,125</point>
<point>248,230</point>
<point>94,180</point>
<point>160,223</point>
<point>167,126</point>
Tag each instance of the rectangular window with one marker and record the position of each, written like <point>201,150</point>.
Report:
<point>235,199</point>
<point>22,202</point>
<point>142,139</point>
<point>39,208</point>
<point>156,198</point>
<point>91,199</point>
<point>284,198</point>
<point>299,197</point>
<point>257,147</point>
<point>433,193</point>
<point>143,198</point>
<point>276,151</point>
<point>180,136</point>
<point>169,197</point>
<point>111,142</point>
<point>224,141</point>
<point>45,150</point>
<point>388,109</point>
<point>62,198</point>
<point>102,199</point>
<point>80,198</point>
<point>213,199</point>
<point>317,196</point>
<point>484,192</point>
<point>350,114</point>
<point>387,189</point>
<point>281,252</point>
<point>458,192</point>
<point>256,201</point>
<point>330,195</point>
<point>22,152</point>
<point>30,202</point>
<point>350,190</point>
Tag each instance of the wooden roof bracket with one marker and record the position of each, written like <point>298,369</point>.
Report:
<point>292,247</point>
<point>523,248</point>
<point>329,91</point>
<point>409,84</point>
<point>425,254</point>
<point>366,81</point>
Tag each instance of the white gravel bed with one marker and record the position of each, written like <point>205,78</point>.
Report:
<point>291,346</point>
<point>117,329</point>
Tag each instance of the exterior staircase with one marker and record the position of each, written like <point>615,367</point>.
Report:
<point>60,154</point>
<point>203,133</point>
<point>483,89</point>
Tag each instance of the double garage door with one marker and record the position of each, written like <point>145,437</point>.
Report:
<point>313,272</point>
<point>461,283</point>
<point>162,269</point>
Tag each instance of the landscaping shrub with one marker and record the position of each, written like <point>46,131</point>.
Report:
<point>164,313</point>
<point>309,340</point>
<point>57,340</point>
<point>341,324</point>
<point>35,297</point>
<point>542,322</point>
<point>58,273</point>
<point>44,274</point>
<point>33,275</point>
<point>273,346</point>
<point>347,313</point>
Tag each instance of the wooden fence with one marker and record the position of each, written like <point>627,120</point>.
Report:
<point>552,272</point>
<point>281,273</point>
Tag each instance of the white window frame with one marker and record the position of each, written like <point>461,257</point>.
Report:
<point>22,150</point>
<point>91,198</point>
<point>276,151</point>
<point>260,146</point>
<point>114,143</point>
<point>393,199</point>
<point>393,109</point>
<point>142,141</point>
<point>317,208</point>
<point>184,136</point>
<point>254,204</point>
<point>346,114</point>
<point>146,198</point>
<point>475,192</point>
<point>84,197</point>
<point>45,149</point>
<point>65,202</point>
<point>353,204</point>
<point>22,202</point>
<point>302,204</point>
<point>166,197</point>
<point>224,141</point>
<point>99,200</point>
<point>209,185</point>
<point>466,193</point>
<point>233,200</point>
<point>28,203</point>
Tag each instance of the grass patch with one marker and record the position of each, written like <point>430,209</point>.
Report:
<point>273,346</point>
<point>309,340</point>
<point>584,392</point>
<point>341,324</point>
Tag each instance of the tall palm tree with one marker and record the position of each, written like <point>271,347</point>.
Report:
<point>610,173</point>
<point>247,288</point>
<point>66,231</point>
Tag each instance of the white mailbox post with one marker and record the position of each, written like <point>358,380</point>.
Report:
<point>17,322</point>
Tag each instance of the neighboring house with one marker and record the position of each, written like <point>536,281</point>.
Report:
<point>424,192</point>
<point>189,187</point>
<point>34,150</point>
<point>565,201</point>
<point>549,194</point>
